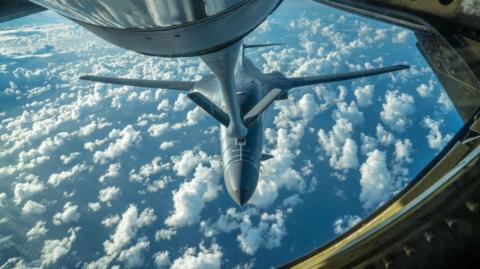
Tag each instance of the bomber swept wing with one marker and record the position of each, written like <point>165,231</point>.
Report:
<point>274,94</point>
<point>304,81</point>
<point>145,83</point>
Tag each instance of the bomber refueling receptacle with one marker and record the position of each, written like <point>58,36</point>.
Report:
<point>236,95</point>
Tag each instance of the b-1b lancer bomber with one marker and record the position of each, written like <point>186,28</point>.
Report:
<point>237,93</point>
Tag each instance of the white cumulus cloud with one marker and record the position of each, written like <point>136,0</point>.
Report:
<point>192,195</point>
<point>161,259</point>
<point>397,109</point>
<point>3,197</point>
<point>37,231</point>
<point>69,214</point>
<point>376,181</point>
<point>364,95</point>
<point>425,90</point>
<point>108,194</point>
<point>113,171</point>
<point>186,162</point>
<point>56,179</point>
<point>124,139</point>
<point>26,190</point>
<point>205,258</point>
<point>435,138</point>
<point>340,225</point>
<point>133,256</point>
<point>32,207</point>
<point>125,232</point>
<point>53,250</point>
<point>384,137</point>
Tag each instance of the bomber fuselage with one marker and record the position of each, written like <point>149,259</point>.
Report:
<point>241,158</point>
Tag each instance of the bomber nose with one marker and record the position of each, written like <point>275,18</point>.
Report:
<point>241,179</point>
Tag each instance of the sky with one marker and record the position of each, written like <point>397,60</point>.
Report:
<point>104,176</point>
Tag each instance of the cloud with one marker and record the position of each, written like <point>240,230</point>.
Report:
<point>349,157</point>
<point>471,7</point>
<point>111,220</point>
<point>26,190</point>
<point>330,97</point>
<point>167,144</point>
<point>194,116</point>
<point>403,150</point>
<point>34,156</point>
<point>113,171</point>
<point>268,232</point>
<point>368,143</point>
<point>108,194</point>
<point>157,130</point>
<point>349,112</point>
<point>56,179</point>
<point>291,121</point>
<point>164,105</point>
<point>205,258</point>
<point>94,206</point>
<point>341,225</point>
<point>290,111</point>
<point>124,233</point>
<point>66,159</point>
<point>165,234</point>
<point>401,37</point>
<point>184,164</point>
<point>384,137</point>
<point>338,145</point>
<point>17,263</point>
<point>364,95</point>
<point>161,259</point>
<point>444,102</point>
<point>68,215</point>
<point>32,207</point>
<point>181,103</point>
<point>53,250</point>
<point>147,217</point>
<point>148,170</point>
<point>124,139</point>
<point>3,197</point>
<point>425,90</point>
<point>145,118</point>
<point>159,184</point>
<point>396,110</point>
<point>190,198</point>
<point>402,156</point>
<point>37,231</point>
<point>93,126</point>
<point>292,200</point>
<point>133,256</point>
<point>334,140</point>
<point>376,181</point>
<point>436,140</point>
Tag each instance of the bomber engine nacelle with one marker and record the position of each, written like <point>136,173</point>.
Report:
<point>169,28</point>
